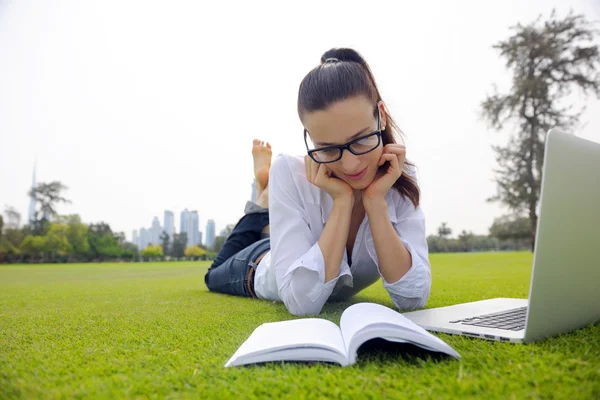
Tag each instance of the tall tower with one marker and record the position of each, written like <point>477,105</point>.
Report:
<point>169,223</point>
<point>32,199</point>
<point>210,232</point>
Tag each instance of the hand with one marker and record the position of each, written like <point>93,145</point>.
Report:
<point>321,176</point>
<point>395,155</point>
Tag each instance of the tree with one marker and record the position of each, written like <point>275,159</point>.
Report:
<point>509,227</point>
<point>444,230</point>
<point>548,60</point>
<point>48,196</point>
<point>57,242</point>
<point>152,251</point>
<point>164,238</point>
<point>194,251</point>
<point>7,249</point>
<point>103,243</point>
<point>33,246</point>
<point>13,218</point>
<point>130,251</point>
<point>179,245</point>
<point>218,244</point>
<point>76,234</point>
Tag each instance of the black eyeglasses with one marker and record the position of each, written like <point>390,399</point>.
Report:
<point>359,146</point>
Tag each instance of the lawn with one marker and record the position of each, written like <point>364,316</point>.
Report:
<point>152,330</point>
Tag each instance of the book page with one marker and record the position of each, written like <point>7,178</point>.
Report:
<point>308,333</point>
<point>365,321</point>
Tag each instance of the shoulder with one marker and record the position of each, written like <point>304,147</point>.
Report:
<point>286,163</point>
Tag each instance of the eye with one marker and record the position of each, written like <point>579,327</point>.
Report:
<point>329,151</point>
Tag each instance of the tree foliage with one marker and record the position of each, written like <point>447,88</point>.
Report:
<point>47,197</point>
<point>548,60</point>
<point>194,251</point>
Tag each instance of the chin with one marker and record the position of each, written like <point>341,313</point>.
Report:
<point>362,184</point>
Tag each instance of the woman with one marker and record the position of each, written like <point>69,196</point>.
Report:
<point>342,216</point>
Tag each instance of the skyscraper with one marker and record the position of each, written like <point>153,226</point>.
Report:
<point>32,200</point>
<point>210,232</point>
<point>194,233</point>
<point>190,221</point>
<point>155,231</point>
<point>183,217</point>
<point>144,239</point>
<point>135,238</point>
<point>169,224</point>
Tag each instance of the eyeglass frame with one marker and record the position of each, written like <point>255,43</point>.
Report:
<point>346,146</point>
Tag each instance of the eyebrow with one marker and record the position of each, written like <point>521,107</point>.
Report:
<point>357,134</point>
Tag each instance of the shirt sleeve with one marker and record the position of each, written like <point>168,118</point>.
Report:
<point>295,253</point>
<point>412,290</point>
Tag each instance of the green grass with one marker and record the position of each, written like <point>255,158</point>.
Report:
<point>153,330</point>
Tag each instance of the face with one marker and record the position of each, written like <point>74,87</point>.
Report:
<point>341,123</point>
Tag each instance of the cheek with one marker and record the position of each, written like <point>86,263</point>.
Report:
<point>374,156</point>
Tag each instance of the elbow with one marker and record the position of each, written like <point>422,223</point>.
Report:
<point>302,309</point>
<point>413,297</point>
<point>410,303</point>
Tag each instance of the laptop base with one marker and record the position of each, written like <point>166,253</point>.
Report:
<point>438,319</point>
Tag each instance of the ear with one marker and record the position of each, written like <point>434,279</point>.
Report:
<point>381,106</point>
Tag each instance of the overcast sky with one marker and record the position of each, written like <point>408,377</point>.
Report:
<point>144,106</point>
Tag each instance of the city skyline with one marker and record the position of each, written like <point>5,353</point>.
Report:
<point>189,224</point>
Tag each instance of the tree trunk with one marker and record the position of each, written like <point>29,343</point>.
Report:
<point>533,221</point>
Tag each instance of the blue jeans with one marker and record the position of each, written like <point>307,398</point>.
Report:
<point>232,272</point>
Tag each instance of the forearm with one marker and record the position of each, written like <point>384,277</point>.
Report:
<point>334,236</point>
<point>394,259</point>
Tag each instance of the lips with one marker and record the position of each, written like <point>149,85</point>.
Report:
<point>358,176</point>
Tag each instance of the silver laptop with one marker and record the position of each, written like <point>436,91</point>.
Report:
<point>565,284</point>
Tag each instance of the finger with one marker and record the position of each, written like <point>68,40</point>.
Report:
<point>385,158</point>
<point>394,149</point>
<point>321,174</point>
<point>391,158</point>
<point>395,163</point>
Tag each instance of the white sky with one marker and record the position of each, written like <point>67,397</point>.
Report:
<point>144,106</point>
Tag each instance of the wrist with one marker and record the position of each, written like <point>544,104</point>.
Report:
<point>344,202</point>
<point>373,205</point>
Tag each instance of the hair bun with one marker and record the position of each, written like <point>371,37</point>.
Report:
<point>342,54</point>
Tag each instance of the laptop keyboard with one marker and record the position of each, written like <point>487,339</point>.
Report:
<point>512,320</point>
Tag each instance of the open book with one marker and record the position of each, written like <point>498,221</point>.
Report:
<point>315,339</point>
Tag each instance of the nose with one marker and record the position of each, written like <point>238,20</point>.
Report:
<point>349,162</point>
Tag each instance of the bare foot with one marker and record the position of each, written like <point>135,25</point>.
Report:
<point>261,152</point>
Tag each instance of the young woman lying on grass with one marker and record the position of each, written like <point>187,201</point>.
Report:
<point>339,218</point>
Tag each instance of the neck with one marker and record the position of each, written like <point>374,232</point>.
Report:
<point>357,198</point>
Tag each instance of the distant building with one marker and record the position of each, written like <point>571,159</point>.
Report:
<point>210,232</point>
<point>155,231</point>
<point>183,217</point>
<point>135,238</point>
<point>190,222</point>
<point>194,232</point>
<point>169,224</point>
<point>144,239</point>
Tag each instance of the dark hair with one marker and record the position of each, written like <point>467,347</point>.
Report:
<point>342,74</point>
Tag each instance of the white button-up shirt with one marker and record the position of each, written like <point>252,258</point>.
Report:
<point>294,270</point>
